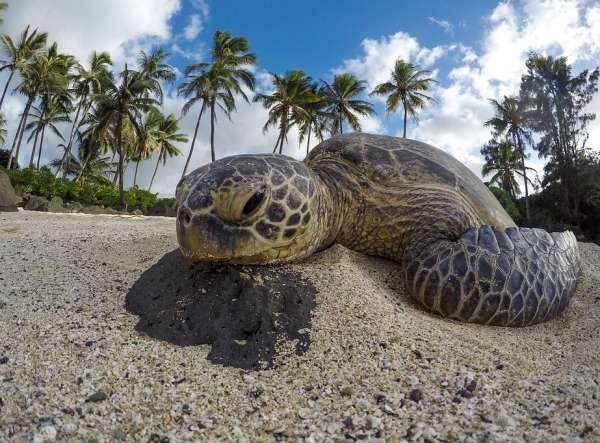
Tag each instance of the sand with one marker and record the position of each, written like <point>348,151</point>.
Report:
<point>108,334</point>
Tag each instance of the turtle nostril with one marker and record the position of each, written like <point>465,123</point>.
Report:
<point>184,216</point>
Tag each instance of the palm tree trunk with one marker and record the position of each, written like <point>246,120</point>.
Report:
<point>212,131</point>
<point>187,162</point>
<point>72,134</point>
<point>308,140</point>
<point>137,164</point>
<point>341,123</point>
<point>157,163</point>
<point>12,72</point>
<point>404,135</point>
<point>25,117</point>
<point>283,134</point>
<point>522,152</point>
<point>121,159</point>
<point>41,146</point>
<point>37,133</point>
<point>277,143</point>
<point>14,143</point>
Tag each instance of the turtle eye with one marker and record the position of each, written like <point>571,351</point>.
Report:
<point>254,202</point>
<point>242,203</point>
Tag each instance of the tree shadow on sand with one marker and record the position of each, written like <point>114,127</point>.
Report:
<point>242,312</point>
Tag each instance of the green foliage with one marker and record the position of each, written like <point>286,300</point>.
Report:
<point>507,202</point>
<point>4,155</point>
<point>43,183</point>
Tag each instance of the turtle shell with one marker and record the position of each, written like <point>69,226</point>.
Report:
<point>397,162</point>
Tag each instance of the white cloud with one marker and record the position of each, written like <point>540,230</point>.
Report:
<point>444,24</point>
<point>202,7</point>
<point>379,56</point>
<point>557,27</point>
<point>80,27</point>
<point>193,28</point>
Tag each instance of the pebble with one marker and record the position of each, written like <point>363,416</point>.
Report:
<point>69,428</point>
<point>505,421</point>
<point>388,409</point>
<point>3,360</point>
<point>97,397</point>
<point>347,391</point>
<point>416,395</point>
<point>373,422</point>
<point>303,413</point>
<point>47,433</point>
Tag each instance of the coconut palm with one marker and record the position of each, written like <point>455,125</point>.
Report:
<point>123,103</point>
<point>2,129</point>
<point>215,85</point>
<point>198,90</point>
<point>153,67</point>
<point>510,120</point>
<point>94,169</point>
<point>287,104</point>
<point>147,142</point>
<point>48,115</point>
<point>229,71</point>
<point>407,85</point>
<point>342,103</point>
<point>314,119</point>
<point>17,55</point>
<point>45,76</point>
<point>87,82</point>
<point>502,161</point>
<point>168,133</point>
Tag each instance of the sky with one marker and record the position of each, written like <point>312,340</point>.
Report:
<point>475,49</point>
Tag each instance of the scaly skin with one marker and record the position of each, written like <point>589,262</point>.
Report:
<point>460,252</point>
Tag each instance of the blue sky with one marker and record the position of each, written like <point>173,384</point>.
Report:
<point>476,49</point>
<point>317,36</point>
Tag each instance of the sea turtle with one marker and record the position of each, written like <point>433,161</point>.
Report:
<point>460,252</point>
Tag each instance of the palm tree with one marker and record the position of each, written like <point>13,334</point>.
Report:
<point>287,104</point>
<point>342,104</point>
<point>48,115</point>
<point>231,57</point>
<point>153,67</point>
<point>314,119</point>
<point>45,76</point>
<point>216,84</point>
<point>147,142</point>
<point>86,83</point>
<point>407,86</point>
<point>196,89</point>
<point>509,120</point>
<point>502,160</point>
<point>18,55</point>
<point>167,135</point>
<point>3,131</point>
<point>124,103</point>
<point>95,168</point>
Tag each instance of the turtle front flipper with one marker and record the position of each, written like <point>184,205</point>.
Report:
<point>512,277</point>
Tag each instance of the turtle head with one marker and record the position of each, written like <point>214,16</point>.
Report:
<point>252,209</point>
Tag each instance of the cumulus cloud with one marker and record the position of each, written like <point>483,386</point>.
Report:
<point>556,27</point>
<point>82,26</point>
<point>379,56</point>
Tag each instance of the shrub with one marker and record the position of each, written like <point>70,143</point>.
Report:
<point>507,203</point>
<point>43,183</point>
